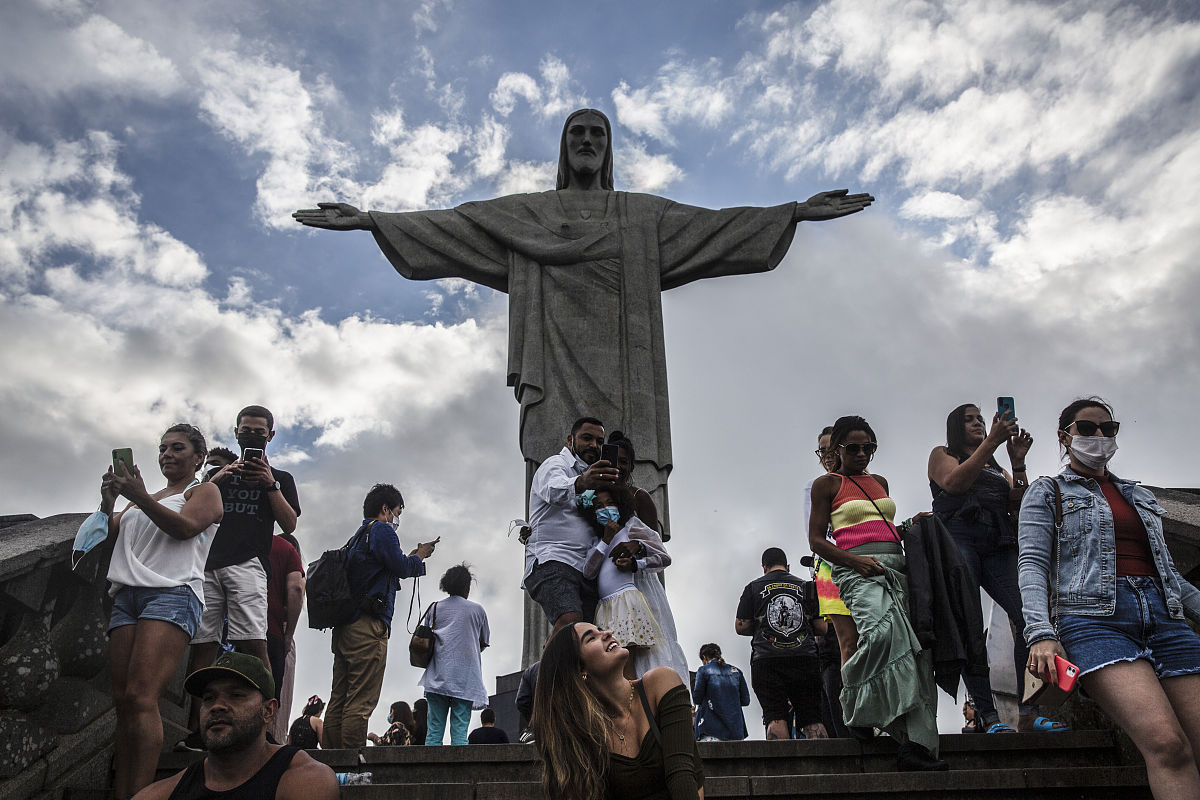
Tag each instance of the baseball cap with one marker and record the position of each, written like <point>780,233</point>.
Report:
<point>233,664</point>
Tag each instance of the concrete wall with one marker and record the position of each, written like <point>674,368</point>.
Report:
<point>57,723</point>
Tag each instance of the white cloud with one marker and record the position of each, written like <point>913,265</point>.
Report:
<point>425,16</point>
<point>643,172</point>
<point>72,198</point>
<point>526,176</point>
<point>679,93</point>
<point>64,49</point>
<point>269,109</point>
<point>553,97</point>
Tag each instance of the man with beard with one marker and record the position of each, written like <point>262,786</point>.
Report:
<point>562,537</point>
<point>237,704</point>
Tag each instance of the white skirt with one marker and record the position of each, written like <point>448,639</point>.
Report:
<point>628,616</point>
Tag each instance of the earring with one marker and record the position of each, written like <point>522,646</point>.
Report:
<point>585,676</point>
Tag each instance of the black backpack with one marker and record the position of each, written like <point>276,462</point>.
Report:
<point>330,600</point>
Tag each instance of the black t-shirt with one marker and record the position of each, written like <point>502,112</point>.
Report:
<point>249,523</point>
<point>486,735</point>
<point>782,609</point>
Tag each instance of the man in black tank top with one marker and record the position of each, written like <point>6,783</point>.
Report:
<point>237,704</point>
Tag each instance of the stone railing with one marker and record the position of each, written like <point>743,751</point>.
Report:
<point>57,723</point>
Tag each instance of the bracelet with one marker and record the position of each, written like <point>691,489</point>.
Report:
<point>1019,469</point>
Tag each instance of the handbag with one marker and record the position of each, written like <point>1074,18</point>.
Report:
<point>420,647</point>
<point>1037,691</point>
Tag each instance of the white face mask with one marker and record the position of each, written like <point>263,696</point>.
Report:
<point>1094,452</point>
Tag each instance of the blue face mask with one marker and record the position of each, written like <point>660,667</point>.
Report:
<point>92,533</point>
<point>608,514</point>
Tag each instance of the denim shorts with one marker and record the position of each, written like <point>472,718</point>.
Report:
<point>1140,628</point>
<point>177,605</point>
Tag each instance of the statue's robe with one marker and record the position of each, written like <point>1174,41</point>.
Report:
<point>585,332</point>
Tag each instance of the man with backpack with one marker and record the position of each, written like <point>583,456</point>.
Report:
<point>375,563</point>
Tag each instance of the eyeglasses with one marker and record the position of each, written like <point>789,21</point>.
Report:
<point>1087,428</point>
<point>821,452</point>
<point>855,448</point>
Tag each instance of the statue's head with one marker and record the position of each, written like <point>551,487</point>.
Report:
<point>579,123</point>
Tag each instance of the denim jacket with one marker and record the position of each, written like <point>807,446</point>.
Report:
<point>1087,577</point>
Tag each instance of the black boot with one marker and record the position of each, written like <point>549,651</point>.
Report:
<point>915,758</point>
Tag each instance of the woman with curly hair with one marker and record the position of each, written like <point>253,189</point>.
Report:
<point>601,735</point>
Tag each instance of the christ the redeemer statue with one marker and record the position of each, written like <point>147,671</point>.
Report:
<point>584,268</point>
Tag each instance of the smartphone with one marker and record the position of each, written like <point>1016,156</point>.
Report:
<point>123,460</point>
<point>1038,692</point>
<point>609,452</point>
<point>1006,406</point>
<point>252,452</point>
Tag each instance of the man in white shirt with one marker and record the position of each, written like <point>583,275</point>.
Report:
<point>562,537</point>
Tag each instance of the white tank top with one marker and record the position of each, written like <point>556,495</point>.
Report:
<point>145,557</point>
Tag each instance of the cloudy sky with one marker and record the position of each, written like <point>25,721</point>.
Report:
<point>1037,174</point>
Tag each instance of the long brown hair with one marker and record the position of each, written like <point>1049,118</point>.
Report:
<point>570,724</point>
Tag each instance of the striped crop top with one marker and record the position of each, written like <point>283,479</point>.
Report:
<point>854,518</point>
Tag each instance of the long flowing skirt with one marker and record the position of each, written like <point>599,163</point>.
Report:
<point>888,682</point>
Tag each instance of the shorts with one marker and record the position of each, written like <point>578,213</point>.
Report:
<point>560,589</point>
<point>1139,628</point>
<point>238,592</point>
<point>781,680</point>
<point>177,605</point>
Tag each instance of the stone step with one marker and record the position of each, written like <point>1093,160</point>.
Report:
<point>519,763</point>
<point>1079,783</point>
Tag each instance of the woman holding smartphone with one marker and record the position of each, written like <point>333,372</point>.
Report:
<point>888,681</point>
<point>970,496</point>
<point>1100,589</point>
<point>157,583</point>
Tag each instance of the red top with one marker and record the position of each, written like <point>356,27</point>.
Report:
<point>284,560</point>
<point>1133,546</point>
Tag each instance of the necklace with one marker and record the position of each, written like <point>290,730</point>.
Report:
<point>628,711</point>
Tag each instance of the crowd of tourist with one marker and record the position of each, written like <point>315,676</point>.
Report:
<point>1077,562</point>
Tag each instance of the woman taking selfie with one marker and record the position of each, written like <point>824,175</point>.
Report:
<point>970,496</point>
<point>157,584</point>
<point>601,735</point>
<point>888,681</point>
<point>1100,589</point>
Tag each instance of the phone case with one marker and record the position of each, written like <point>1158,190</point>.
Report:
<point>1038,692</point>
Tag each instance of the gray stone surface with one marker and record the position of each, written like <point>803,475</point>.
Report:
<point>28,665</point>
<point>23,546</point>
<point>97,736</point>
<point>21,742</point>
<point>29,783</point>
<point>79,637</point>
<point>73,704</point>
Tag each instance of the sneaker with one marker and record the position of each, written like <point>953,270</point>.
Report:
<point>192,743</point>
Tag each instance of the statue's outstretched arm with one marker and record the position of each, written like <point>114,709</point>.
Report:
<point>335,217</point>
<point>831,205</point>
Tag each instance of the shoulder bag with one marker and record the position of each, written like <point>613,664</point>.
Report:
<point>420,647</point>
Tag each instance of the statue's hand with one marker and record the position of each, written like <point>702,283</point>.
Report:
<point>334,217</point>
<point>831,205</point>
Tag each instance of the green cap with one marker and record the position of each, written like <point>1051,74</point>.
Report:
<point>231,663</point>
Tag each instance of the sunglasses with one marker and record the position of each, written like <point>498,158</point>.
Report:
<point>867,448</point>
<point>1086,428</point>
<point>821,452</point>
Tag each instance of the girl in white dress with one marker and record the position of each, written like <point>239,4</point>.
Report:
<point>625,563</point>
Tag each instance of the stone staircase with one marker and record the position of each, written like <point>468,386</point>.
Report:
<point>1084,764</point>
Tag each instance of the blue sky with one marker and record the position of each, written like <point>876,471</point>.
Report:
<point>1037,174</point>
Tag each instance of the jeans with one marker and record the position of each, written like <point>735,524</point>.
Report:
<point>994,568</point>
<point>459,712</point>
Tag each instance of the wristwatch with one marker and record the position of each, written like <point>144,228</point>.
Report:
<point>274,487</point>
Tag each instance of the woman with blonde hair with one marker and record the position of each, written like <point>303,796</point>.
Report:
<point>601,735</point>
